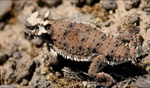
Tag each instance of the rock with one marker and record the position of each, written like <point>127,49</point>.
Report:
<point>17,55</point>
<point>24,68</point>
<point>137,82</point>
<point>13,47</point>
<point>49,3</point>
<point>19,5</point>
<point>109,5</point>
<point>142,82</point>
<point>147,27</point>
<point>7,86</point>
<point>25,82</point>
<point>107,24</point>
<point>147,10</point>
<point>131,22</point>
<point>129,4</point>
<point>5,7</point>
<point>3,58</point>
<point>146,6</point>
<point>10,67</point>
<point>37,63</point>
<point>80,3</point>
<point>90,85</point>
<point>58,74</point>
<point>44,70</point>
<point>40,81</point>
<point>132,18</point>
<point>2,24</point>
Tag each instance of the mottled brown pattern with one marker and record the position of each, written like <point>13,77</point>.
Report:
<point>82,42</point>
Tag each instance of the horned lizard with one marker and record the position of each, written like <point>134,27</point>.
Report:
<point>84,43</point>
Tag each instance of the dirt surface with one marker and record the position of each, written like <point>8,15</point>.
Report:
<point>24,59</point>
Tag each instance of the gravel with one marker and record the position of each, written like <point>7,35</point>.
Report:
<point>109,5</point>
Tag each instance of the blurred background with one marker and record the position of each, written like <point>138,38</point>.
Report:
<point>24,59</point>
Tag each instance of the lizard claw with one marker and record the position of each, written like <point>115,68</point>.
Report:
<point>105,79</point>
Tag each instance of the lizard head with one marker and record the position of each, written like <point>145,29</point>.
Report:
<point>37,25</point>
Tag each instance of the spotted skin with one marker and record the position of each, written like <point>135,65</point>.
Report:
<point>82,42</point>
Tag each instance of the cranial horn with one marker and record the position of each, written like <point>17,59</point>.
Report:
<point>35,14</point>
<point>47,14</point>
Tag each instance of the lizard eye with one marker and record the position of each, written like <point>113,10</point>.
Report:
<point>36,27</point>
<point>33,27</point>
<point>30,27</point>
<point>47,27</point>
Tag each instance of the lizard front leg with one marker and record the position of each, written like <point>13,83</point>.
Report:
<point>53,58</point>
<point>97,64</point>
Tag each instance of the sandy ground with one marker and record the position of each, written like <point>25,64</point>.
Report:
<point>24,59</point>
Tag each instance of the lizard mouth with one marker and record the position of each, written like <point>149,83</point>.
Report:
<point>28,31</point>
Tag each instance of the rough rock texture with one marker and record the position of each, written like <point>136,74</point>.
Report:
<point>82,2</point>
<point>49,3</point>
<point>5,7</point>
<point>24,69</point>
<point>21,48</point>
<point>109,5</point>
<point>40,81</point>
<point>3,58</point>
<point>132,4</point>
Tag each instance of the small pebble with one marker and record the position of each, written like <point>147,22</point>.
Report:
<point>2,24</point>
<point>147,10</point>
<point>3,58</point>
<point>135,18</point>
<point>147,27</point>
<point>148,43</point>
<point>80,3</point>
<point>37,63</point>
<point>129,4</point>
<point>44,70</point>
<point>143,83</point>
<point>49,3</point>
<point>25,82</point>
<point>40,81</point>
<point>17,55</point>
<point>58,74</point>
<point>109,5</point>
